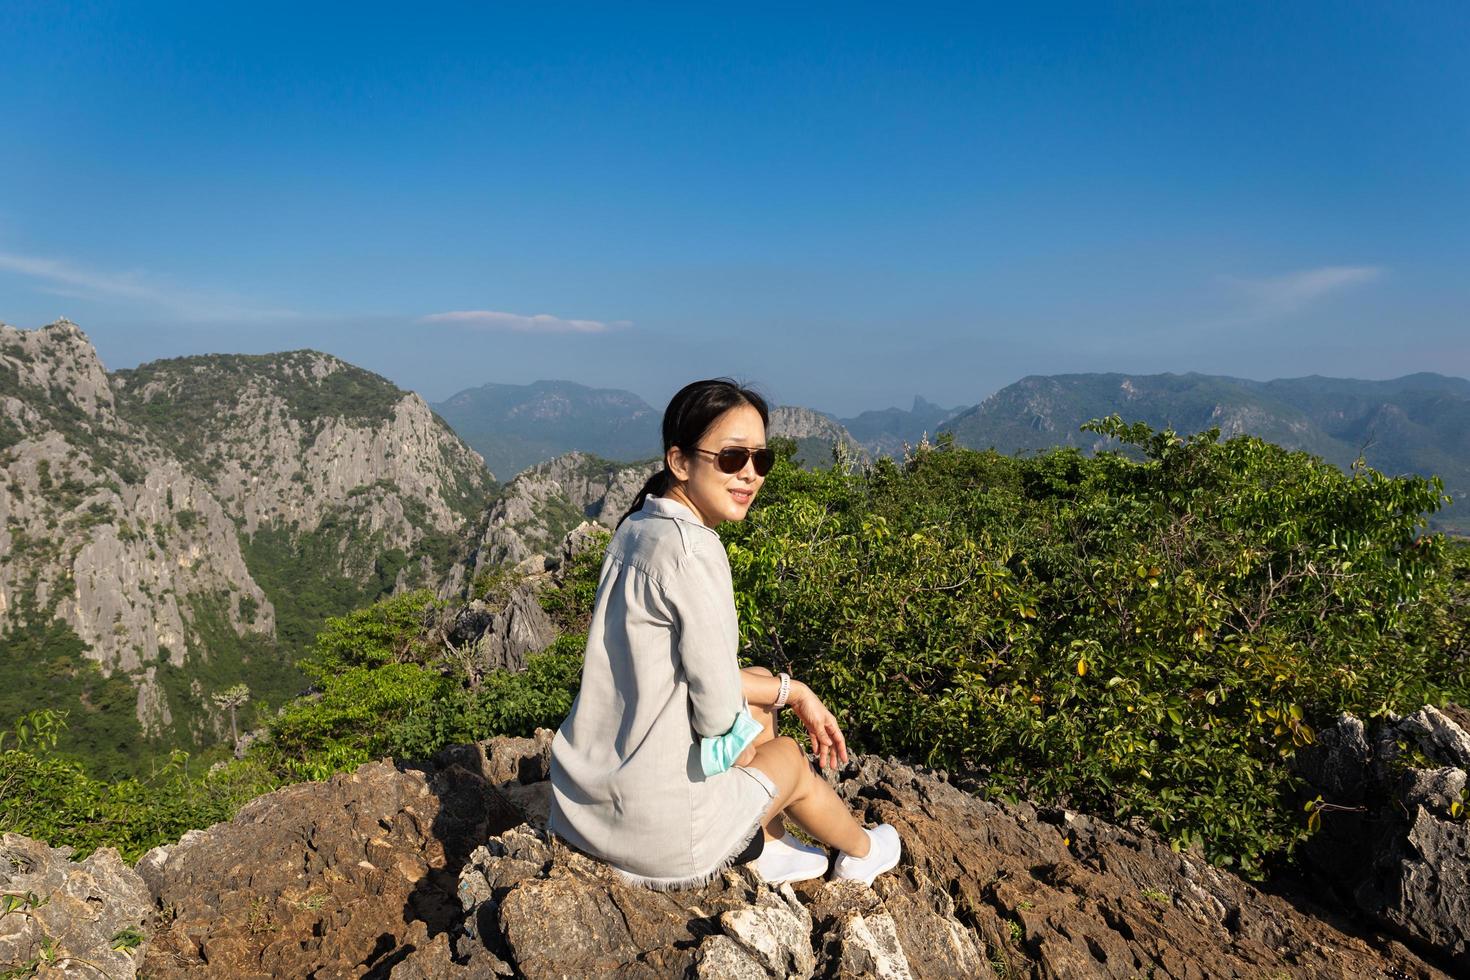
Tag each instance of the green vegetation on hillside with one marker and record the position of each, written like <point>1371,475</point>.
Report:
<point>1150,636</point>
<point>182,400</point>
<point>43,666</point>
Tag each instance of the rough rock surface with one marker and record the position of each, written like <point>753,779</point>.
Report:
<point>343,878</point>
<point>448,871</point>
<point>70,918</point>
<point>983,887</point>
<point>1394,840</point>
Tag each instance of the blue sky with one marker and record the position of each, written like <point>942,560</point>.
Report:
<point>847,205</point>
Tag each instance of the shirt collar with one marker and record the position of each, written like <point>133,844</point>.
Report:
<point>669,507</point>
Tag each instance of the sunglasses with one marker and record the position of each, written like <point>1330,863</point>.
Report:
<point>732,459</point>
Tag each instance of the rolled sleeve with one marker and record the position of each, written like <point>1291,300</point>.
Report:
<point>703,600</point>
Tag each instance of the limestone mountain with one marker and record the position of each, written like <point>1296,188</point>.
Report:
<point>169,531</point>
<point>1415,424</point>
<point>817,434</point>
<point>517,426</point>
<point>123,585</point>
<point>344,486</point>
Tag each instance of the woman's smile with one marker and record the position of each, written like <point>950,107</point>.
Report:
<point>714,495</point>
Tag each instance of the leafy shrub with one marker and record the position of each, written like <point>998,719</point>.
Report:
<point>50,798</point>
<point>1149,637</point>
<point>505,703</point>
<point>369,669</point>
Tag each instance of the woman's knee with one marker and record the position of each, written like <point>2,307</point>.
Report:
<point>782,759</point>
<point>761,671</point>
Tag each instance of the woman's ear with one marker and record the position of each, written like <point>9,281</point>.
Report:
<point>676,463</point>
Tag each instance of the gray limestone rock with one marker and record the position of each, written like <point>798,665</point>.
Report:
<point>1399,849</point>
<point>70,918</point>
<point>106,531</point>
<point>1438,736</point>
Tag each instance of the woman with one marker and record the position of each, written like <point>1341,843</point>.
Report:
<point>640,769</point>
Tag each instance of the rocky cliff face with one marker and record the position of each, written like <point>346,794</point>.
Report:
<point>102,529</point>
<point>185,511</point>
<point>292,439</point>
<point>816,434</point>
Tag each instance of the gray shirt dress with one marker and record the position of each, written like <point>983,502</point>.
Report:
<point>660,672</point>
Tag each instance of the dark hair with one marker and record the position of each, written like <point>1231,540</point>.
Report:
<point>689,416</point>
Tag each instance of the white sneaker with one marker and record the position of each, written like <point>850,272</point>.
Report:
<point>791,840</point>
<point>788,859</point>
<point>882,856</point>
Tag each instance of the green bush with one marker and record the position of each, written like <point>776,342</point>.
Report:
<point>1138,637</point>
<point>50,798</point>
<point>504,703</point>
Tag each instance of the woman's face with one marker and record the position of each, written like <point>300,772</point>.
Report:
<point>715,496</point>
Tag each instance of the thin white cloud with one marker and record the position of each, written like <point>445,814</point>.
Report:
<point>1294,291</point>
<point>61,278</point>
<point>538,323</point>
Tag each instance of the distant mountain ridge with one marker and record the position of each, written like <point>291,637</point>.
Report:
<point>1419,423</point>
<point>515,427</point>
<point>885,431</point>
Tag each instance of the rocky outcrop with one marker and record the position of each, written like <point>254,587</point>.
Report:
<point>507,625</point>
<point>446,870</point>
<point>983,886</point>
<point>1394,838</point>
<point>501,636</point>
<point>64,918</point>
<point>539,507</point>
<point>342,878</point>
<point>816,435</point>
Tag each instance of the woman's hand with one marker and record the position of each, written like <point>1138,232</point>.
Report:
<point>820,724</point>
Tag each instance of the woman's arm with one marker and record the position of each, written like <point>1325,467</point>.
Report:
<point>821,726</point>
<point>702,600</point>
<point>761,689</point>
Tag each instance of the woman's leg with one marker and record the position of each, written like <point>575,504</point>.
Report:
<point>776,823</point>
<point>807,798</point>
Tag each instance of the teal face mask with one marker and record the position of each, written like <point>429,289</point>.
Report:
<point>719,752</point>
